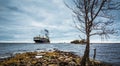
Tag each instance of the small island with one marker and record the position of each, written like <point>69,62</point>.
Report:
<point>83,41</point>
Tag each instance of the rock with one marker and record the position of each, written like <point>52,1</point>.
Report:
<point>52,65</point>
<point>38,56</point>
<point>61,58</point>
<point>63,64</point>
<point>52,58</point>
<point>72,63</point>
<point>67,60</point>
<point>38,64</point>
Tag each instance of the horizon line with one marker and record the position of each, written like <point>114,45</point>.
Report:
<point>55,42</point>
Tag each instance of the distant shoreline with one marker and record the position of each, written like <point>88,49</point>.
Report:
<point>104,43</point>
<point>50,43</point>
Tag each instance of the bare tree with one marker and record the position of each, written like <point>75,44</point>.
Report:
<point>93,17</point>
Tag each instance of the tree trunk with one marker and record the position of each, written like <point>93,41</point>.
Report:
<point>85,58</point>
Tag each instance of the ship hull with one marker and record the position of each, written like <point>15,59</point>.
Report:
<point>42,40</point>
<point>39,41</point>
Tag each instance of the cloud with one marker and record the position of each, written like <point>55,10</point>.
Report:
<point>27,17</point>
<point>21,20</point>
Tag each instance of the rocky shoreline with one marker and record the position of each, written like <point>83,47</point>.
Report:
<point>48,58</point>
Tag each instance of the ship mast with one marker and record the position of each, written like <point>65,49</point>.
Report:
<point>46,33</point>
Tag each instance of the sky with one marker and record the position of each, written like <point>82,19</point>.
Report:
<point>21,20</point>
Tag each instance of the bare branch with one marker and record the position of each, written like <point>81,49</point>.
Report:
<point>101,5</point>
<point>87,14</point>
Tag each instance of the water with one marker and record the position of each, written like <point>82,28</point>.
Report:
<point>105,52</point>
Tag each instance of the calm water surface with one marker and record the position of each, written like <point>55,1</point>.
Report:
<point>105,52</point>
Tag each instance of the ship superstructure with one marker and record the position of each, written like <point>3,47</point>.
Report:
<point>42,39</point>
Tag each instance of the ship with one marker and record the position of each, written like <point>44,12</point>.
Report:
<point>42,39</point>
